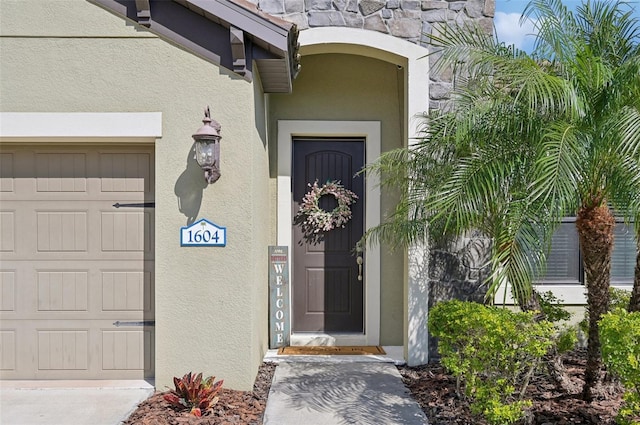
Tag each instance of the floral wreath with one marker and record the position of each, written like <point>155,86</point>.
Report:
<point>313,220</point>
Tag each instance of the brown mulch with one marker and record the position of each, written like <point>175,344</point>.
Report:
<point>430,385</point>
<point>233,407</point>
<point>435,391</point>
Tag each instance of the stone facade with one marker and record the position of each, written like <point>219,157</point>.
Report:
<point>406,19</point>
<point>457,270</point>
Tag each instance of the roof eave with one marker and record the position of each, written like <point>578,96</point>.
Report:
<point>252,35</point>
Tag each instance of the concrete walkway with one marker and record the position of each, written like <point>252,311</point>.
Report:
<point>335,393</point>
<point>70,403</point>
<point>306,390</point>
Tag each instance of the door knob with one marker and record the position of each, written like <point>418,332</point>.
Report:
<point>359,260</point>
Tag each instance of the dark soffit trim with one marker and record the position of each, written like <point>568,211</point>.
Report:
<point>216,30</point>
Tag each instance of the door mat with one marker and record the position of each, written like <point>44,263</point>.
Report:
<point>308,350</point>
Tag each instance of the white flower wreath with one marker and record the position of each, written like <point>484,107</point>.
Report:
<point>313,220</point>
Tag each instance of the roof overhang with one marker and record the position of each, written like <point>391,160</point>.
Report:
<point>230,33</point>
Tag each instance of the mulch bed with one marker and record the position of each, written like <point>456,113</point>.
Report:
<point>435,391</point>
<point>430,385</point>
<point>233,407</point>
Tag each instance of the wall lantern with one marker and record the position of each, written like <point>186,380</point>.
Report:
<point>208,147</point>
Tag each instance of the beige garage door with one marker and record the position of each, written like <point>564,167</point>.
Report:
<point>76,278</point>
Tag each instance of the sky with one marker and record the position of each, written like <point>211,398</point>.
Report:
<point>507,21</point>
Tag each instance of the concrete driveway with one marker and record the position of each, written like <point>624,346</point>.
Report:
<point>70,402</point>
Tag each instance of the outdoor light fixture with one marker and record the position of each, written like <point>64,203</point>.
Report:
<point>208,147</point>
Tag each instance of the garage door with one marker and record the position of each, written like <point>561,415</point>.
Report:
<point>76,252</point>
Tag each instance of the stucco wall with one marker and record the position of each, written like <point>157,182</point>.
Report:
<point>350,87</point>
<point>211,303</point>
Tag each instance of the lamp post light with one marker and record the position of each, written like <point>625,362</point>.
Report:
<point>207,148</point>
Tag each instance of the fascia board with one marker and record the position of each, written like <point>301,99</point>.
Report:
<point>246,20</point>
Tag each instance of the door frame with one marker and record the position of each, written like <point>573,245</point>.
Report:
<point>370,131</point>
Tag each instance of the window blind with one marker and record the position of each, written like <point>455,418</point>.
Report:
<point>563,260</point>
<point>623,258</point>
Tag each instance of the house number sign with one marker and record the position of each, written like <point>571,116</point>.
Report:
<point>203,233</point>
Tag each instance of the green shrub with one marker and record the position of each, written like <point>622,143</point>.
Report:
<point>618,299</point>
<point>493,352</point>
<point>629,413</point>
<point>554,311</point>
<point>620,339</point>
<point>566,339</point>
<point>553,307</point>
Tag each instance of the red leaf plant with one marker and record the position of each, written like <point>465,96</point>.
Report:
<point>193,393</point>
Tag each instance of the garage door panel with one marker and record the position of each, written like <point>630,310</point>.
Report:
<point>76,174</point>
<point>61,172</point>
<point>8,350</point>
<point>108,290</point>
<point>7,231</point>
<point>66,349</point>
<point>126,350</point>
<point>125,231</point>
<point>58,349</point>
<point>17,350</point>
<point>7,290</point>
<point>6,172</point>
<point>77,274</point>
<point>125,172</point>
<point>107,198</point>
<point>18,294</point>
<point>126,291</point>
<point>62,231</point>
<point>75,256</point>
<point>63,290</point>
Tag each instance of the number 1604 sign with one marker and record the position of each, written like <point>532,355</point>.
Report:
<point>203,233</point>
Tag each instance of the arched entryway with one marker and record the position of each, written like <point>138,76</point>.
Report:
<point>360,87</point>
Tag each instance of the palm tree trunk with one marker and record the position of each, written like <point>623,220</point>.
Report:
<point>530,302</point>
<point>634,302</point>
<point>595,229</point>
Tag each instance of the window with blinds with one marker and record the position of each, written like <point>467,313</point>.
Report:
<point>623,259</point>
<point>564,262</point>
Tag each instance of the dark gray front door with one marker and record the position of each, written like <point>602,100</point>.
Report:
<point>327,295</point>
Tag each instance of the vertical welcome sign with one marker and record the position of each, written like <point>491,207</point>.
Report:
<point>279,322</point>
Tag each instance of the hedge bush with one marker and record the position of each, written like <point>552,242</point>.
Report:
<point>492,352</point>
<point>620,342</point>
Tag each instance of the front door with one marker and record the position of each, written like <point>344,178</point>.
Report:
<point>328,283</point>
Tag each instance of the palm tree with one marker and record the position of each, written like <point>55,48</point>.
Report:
<point>531,139</point>
<point>634,301</point>
<point>597,52</point>
<point>632,124</point>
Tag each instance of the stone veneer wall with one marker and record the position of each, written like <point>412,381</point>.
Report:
<point>406,19</point>
<point>455,268</point>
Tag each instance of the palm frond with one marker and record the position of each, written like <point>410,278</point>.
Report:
<point>554,24</point>
<point>557,170</point>
<point>529,139</point>
<point>518,253</point>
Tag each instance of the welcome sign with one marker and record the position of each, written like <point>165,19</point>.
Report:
<point>279,321</point>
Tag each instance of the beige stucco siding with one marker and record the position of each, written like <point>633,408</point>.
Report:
<point>350,87</point>
<point>211,303</point>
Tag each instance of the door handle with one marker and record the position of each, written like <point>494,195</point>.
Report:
<point>138,205</point>
<point>118,323</point>
<point>359,260</point>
